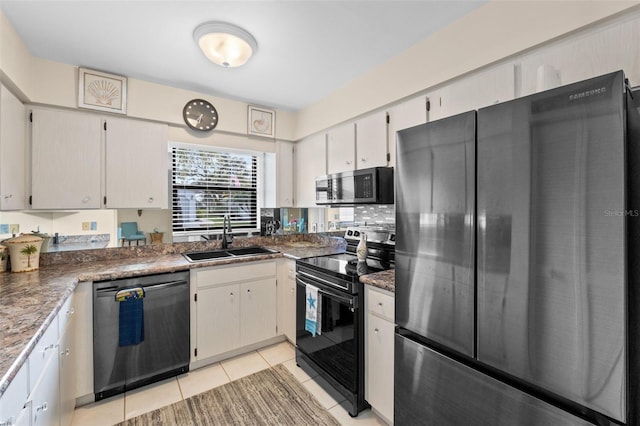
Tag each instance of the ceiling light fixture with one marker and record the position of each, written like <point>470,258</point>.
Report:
<point>225,44</point>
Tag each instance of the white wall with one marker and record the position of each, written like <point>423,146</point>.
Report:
<point>497,30</point>
<point>64,223</point>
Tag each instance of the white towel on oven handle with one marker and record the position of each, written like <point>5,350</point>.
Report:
<point>312,311</point>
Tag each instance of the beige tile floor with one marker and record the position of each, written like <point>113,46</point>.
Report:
<point>118,408</point>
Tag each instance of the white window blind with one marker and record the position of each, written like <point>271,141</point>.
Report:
<point>207,185</point>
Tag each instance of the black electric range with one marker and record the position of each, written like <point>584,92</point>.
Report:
<point>336,353</point>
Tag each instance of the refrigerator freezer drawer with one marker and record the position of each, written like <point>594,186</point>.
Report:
<point>432,389</point>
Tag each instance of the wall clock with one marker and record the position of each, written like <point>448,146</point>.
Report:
<point>200,115</point>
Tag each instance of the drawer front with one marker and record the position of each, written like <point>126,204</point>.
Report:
<point>234,273</point>
<point>66,313</point>
<point>14,397</point>
<point>380,303</point>
<point>45,348</point>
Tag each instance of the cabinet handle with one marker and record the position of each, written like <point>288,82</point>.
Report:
<point>150,200</point>
<point>375,330</point>
<point>71,311</point>
<point>65,352</point>
<point>291,290</point>
<point>363,159</point>
<point>348,163</point>
<point>231,294</point>
<point>380,304</point>
<point>43,407</point>
<point>248,291</point>
<point>46,348</point>
<point>6,197</point>
<point>86,199</point>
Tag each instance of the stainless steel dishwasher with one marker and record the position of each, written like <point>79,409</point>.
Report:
<point>164,350</point>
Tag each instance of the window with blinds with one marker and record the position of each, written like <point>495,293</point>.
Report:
<point>208,184</point>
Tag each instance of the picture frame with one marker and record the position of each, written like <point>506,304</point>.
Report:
<point>102,91</point>
<point>261,122</point>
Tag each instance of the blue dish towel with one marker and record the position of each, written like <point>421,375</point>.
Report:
<point>131,318</point>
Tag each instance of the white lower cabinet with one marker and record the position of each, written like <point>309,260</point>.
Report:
<point>379,350</point>
<point>45,404</point>
<point>12,403</point>
<point>67,351</point>
<point>218,320</point>
<point>43,392</point>
<point>287,299</point>
<point>232,306</point>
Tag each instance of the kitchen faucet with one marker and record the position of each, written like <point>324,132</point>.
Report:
<point>227,237</point>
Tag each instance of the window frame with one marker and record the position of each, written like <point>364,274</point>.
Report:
<point>209,230</point>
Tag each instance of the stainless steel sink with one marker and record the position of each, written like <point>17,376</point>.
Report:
<point>247,251</point>
<point>201,256</point>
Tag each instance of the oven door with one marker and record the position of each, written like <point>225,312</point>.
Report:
<point>336,349</point>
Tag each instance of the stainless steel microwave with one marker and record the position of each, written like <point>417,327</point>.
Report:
<point>366,186</point>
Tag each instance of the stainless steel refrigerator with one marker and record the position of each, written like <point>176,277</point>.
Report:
<point>517,227</point>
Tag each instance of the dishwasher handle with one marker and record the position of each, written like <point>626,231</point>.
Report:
<point>111,291</point>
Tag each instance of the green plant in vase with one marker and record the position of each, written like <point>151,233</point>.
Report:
<point>28,251</point>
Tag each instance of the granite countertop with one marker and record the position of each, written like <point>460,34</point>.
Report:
<point>31,300</point>
<point>385,280</point>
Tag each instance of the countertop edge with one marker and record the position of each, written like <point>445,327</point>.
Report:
<point>126,270</point>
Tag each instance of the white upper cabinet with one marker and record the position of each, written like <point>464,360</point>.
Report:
<point>341,148</point>
<point>65,160</point>
<point>311,162</point>
<point>136,164</point>
<point>494,85</point>
<point>371,141</point>
<point>13,125</point>
<point>402,116</point>
<point>284,174</point>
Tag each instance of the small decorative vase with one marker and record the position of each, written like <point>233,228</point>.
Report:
<point>361,250</point>
<point>24,252</point>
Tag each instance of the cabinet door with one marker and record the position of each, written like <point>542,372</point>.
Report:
<point>13,399</point>
<point>287,299</point>
<point>494,85</point>
<point>45,408</point>
<point>311,162</point>
<point>65,160</point>
<point>371,141</point>
<point>258,311</point>
<point>402,116</point>
<point>13,176</point>
<point>218,315</point>
<point>136,164</point>
<point>68,367</point>
<point>379,365</point>
<point>341,148</point>
<point>284,174</point>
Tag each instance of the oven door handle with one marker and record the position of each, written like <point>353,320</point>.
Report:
<point>343,299</point>
<point>313,277</point>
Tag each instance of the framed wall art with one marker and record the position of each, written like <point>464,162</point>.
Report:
<point>102,91</point>
<point>261,122</point>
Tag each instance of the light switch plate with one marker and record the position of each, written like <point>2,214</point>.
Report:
<point>86,226</point>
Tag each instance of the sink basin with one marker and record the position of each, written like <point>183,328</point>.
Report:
<point>246,251</point>
<point>201,256</point>
<point>206,255</point>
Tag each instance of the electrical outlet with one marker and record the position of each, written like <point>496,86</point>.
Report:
<point>86,226</point>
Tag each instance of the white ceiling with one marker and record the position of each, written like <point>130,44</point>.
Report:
<point>306,49</point>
